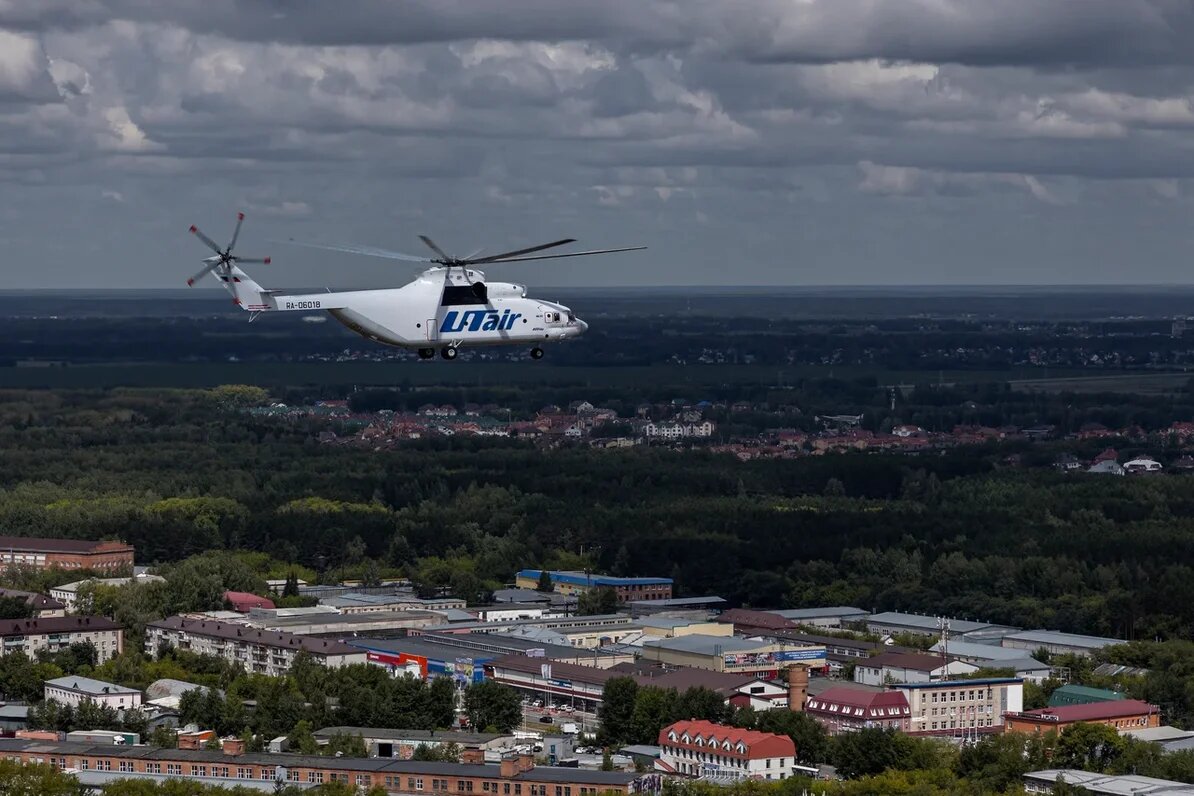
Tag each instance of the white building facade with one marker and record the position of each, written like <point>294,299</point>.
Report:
<point>75,690</point>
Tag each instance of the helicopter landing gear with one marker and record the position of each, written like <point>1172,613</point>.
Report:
<point>426,353</point>
<point>448,352</point>
<point>536,353</point>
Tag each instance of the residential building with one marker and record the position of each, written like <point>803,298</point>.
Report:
<point>674,431</point>
<point>833,616</point>
<point>713,751</point>
<point>43,607</point>
<point>105,556</point>
<point>844,708</point>
<point>74,689</point>
<point>67,593</point>
<point>55,634</point>
<point>577,583</point>
<point>1057,643</point>
<point>962,708</point>
<point>99,765</point>
<point>245,602</point>
<point>1071,694</point>
<point>258,651</point>
<point>1122,714</point>
<point>738,655</point>
<point>908,667</point>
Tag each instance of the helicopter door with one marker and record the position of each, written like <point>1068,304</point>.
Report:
<point>431,329</point>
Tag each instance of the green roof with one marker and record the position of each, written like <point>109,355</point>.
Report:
<point>1081,695</point>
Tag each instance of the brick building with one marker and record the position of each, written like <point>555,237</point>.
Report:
<point>514,776</point>
<point>715,751</point>
<point>259,651</point>
<point>55,634</point>
<point>1122,714</point>
<point>29,551</point>
<point>577,583</point>
<point>847,708</point>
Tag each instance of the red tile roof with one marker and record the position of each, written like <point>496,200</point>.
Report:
<point>846,701</point>
<point>243,601</point>
<point>759,745</point>
<point>1094,711</point>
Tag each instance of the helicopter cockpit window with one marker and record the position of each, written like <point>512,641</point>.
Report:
<point>459,295</point>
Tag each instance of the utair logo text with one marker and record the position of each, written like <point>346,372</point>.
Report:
<point>478,321</point>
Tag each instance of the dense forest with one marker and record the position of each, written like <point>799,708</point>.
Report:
<point>178,473</point>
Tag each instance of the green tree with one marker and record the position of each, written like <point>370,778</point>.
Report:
<point>291,589</point>
<point>36,779</point>
<point>492,705</point>
<point>442,753</point>
<point>616,714</point>
<point>1091,747</point>
<point>808,734</point>
<point>302,739</point>
<point>545,584</point>
<point>441,703</point>
<point>602,600</point>
<point>345,745</point>
<point>654,709</point>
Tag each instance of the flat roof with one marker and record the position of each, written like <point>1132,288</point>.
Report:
<point>970,649</point>
<point>389,733</point>
<point>927,623</point>
<point>87,685</point>
<point>707,645</point>
<point>796,614</point>
<point>667,622</point>
<point>399,618</point>
<point>34,544</point>
<point>677,602</point>
<point>1111,785</point>
<point>1069,639</point>
<point>589,579</point>
<point>961,683</point>
<point>471,770</point>
<point>270,638</point>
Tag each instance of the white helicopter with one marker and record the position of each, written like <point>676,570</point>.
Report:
<point>447,306</point>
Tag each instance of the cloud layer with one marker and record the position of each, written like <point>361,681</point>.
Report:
<point>765,142</point>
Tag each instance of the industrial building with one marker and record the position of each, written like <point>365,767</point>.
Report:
<point>1103,784</point>
<point>402,743</point>
<point>100,765</point>
<point>331,623</point>
<point>830,617</point>
<point>892,622</point>
<point>28,551</point>
<point>732,654</point>
<point>577,583</point>
<point>1071,694</point>
<point>1057,643</point>
<point>1122,714</point>
<point>710,605</point>
<point>909,667</point>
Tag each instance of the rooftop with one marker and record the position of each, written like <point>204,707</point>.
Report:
<point>962,683</point>
<point>1068,639</point>
<point>559,670</point>
<point>755,619</point>
<point>706,645</point>
<point>587,579</point>
<point>57,624</point>
<point>1092,711</point>
<point>270,638</point>
<point>905,660</point>
<point>472,770</point>
<point>27,544</point>
<point>798,614</point>
<point>929,624</point>
<point>758,745</point>
<point>384,733</point>
<point>86,685</point>
<point>679,602</point>
<point>969,649</point>
<point>863,704</point>
<point>1109,785</point>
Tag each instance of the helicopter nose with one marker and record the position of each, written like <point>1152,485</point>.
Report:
<point>581,326</point>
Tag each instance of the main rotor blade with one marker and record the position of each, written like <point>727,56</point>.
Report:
<point>211,244</point>
<point>260,260</point>
<point>207,270</point>
<point>503,255</point>
<point>354,249</point>
<point>240,219</point>
<point>431,245</point>
<point>558,256</point>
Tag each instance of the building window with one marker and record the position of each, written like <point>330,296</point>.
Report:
<point>244,773</point>
<point>153,768</point>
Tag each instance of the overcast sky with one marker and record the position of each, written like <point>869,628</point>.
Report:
<point>784,142</point>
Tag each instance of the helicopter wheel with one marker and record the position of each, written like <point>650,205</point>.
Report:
<point>448,353</point>
<point>536,353</point>
<point>426,353</point>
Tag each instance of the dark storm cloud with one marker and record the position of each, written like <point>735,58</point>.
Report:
<point>827,130</point>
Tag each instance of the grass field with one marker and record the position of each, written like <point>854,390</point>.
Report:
<point>480,374</point>
<point>1135,383</point>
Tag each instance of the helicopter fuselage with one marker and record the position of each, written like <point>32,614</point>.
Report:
<point>433,312</point>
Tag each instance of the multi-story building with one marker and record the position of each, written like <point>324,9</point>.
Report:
<point>55,634</point>
<point>962,708</point>
<point>908,667</point>
<point>1122,714</point>
<point>847,708</point>
<point>715,751</point>
<point>578,583</point>
<point>701,430</point>
<point>516,775</point>
<point>65,554</point>
<point>74,690</point>
<point>259,651</point>
<point>43,607</point>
